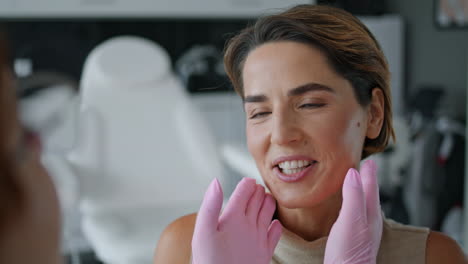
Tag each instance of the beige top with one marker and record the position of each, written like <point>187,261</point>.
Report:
<point>399,244</point>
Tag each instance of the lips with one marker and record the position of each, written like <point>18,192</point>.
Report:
<point>293,168</point>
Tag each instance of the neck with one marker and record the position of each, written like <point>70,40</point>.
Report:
<point>314,222</point>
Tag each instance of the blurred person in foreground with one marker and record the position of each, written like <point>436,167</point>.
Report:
<point>29,208</point>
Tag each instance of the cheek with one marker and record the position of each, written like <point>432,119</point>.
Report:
<point>258,143</point>
<point>354,136</point>
<point>350,137</point>
<point>255,141</point>
<point>45,207</point>
<point>341,138</point>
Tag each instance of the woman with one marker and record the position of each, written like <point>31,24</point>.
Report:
<point>315,86</point>
<point>29,214</point>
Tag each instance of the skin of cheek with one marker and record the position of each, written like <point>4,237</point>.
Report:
<point>40,224</point>
<point>45,209</point>
<point>335,140</point>
<point>34,236</point>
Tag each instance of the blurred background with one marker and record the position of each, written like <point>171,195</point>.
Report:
<point>136,113</point>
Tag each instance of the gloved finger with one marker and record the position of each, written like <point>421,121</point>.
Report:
<point>266,212</point>
<point>353,208</point>
<point>207,218</point>
<point>274,235</point>
<point>371,190</point>
<point>240,197</point>
<point>255,203</point>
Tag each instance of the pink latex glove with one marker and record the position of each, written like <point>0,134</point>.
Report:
<point>355,236</point>
<point>244,233</point>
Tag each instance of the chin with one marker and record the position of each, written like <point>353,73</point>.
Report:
<point>292,203</point>
<point>293,198</point>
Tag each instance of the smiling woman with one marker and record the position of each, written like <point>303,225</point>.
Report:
<point>319,126</point>
<point>349,48</point>
<point>316,92</point>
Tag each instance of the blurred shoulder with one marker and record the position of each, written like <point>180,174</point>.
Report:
<point>442,249</point>
<point>174,245</point>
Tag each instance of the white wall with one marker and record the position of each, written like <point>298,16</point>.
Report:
<point>137,8</point>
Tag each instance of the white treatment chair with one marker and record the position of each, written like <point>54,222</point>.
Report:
<point>145,155</point>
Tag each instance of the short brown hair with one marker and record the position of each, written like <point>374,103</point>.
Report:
<point>350,48</point>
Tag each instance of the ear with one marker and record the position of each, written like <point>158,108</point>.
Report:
<point>375,113</point>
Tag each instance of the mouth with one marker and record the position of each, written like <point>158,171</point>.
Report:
<point>294,166</point>
<point>291,170</point>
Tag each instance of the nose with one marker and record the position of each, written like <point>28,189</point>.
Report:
<point>285,129</point>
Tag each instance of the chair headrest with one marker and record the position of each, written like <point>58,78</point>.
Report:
<point>126,62</point>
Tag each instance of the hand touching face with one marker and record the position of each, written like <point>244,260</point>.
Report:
<point>355,236</point>
<point>244,233</point>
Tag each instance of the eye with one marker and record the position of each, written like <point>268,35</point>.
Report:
<point>259,115</point>
<point>308,106</point>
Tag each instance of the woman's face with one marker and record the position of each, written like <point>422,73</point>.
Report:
<point>33,236</point>
<point>305,128</point>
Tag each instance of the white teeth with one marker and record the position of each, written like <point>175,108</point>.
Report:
<point>291,171</point>
<point>295,164</point>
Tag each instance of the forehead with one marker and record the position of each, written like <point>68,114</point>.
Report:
<point>285,65</point>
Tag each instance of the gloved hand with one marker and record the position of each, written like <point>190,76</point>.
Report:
<point>355,236</point>
<point>244,233</point>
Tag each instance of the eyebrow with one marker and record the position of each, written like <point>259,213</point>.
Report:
<point>309,87</point>
<point>300,90</point>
